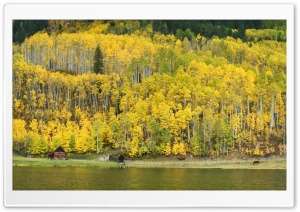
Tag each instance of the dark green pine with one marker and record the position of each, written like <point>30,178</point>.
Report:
<point>98,61</point>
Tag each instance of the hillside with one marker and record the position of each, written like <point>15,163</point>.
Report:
<point>146,92</point>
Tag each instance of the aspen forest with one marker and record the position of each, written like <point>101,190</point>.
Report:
<point>150,88</point>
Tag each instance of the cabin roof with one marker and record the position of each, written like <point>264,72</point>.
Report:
<point>59,149</point>
<point>120,156</point>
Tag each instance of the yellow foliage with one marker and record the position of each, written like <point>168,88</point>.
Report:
<point>258,152</point>
<point>19,133</point>
<point>175,149</point>
<point>155,88</point>
<point>34,125</point>
<point>167,149</point>
<point>179,149</point>
<point>133,147</point>
<point>182,149</point>
<point>97,28</point>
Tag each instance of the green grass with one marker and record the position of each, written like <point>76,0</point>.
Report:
<point>92,161</point>
<point>210,164</point>
<point>44,162</point>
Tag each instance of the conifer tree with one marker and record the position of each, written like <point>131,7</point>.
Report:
<point>98,61</point>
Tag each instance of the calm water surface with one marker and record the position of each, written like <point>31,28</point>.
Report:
<point>56,178</point>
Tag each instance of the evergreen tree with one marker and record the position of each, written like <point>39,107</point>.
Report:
<point>98,61</point>
<point>223,32</point>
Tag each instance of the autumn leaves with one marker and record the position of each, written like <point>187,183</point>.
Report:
<point>157,95</point>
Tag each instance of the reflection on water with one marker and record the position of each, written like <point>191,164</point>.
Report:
<point>56,178</point>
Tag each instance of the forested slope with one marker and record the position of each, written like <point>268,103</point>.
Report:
<point>155,94</point>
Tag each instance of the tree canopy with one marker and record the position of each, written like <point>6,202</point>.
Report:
<point>123,85</point>
<point>181,28</point>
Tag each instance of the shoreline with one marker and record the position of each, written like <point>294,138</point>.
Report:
<point>271,164</point>
<point>210,164</point>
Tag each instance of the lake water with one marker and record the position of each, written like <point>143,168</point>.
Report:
<point>57,178</point>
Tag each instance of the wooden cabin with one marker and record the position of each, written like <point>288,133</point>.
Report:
<point>58,154</point>
<point>121,162</point>
<point>120,159</point>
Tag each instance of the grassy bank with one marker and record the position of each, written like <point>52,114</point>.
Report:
<point>44,162</point>
<point>278,163</point>
<point>210,164</point>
